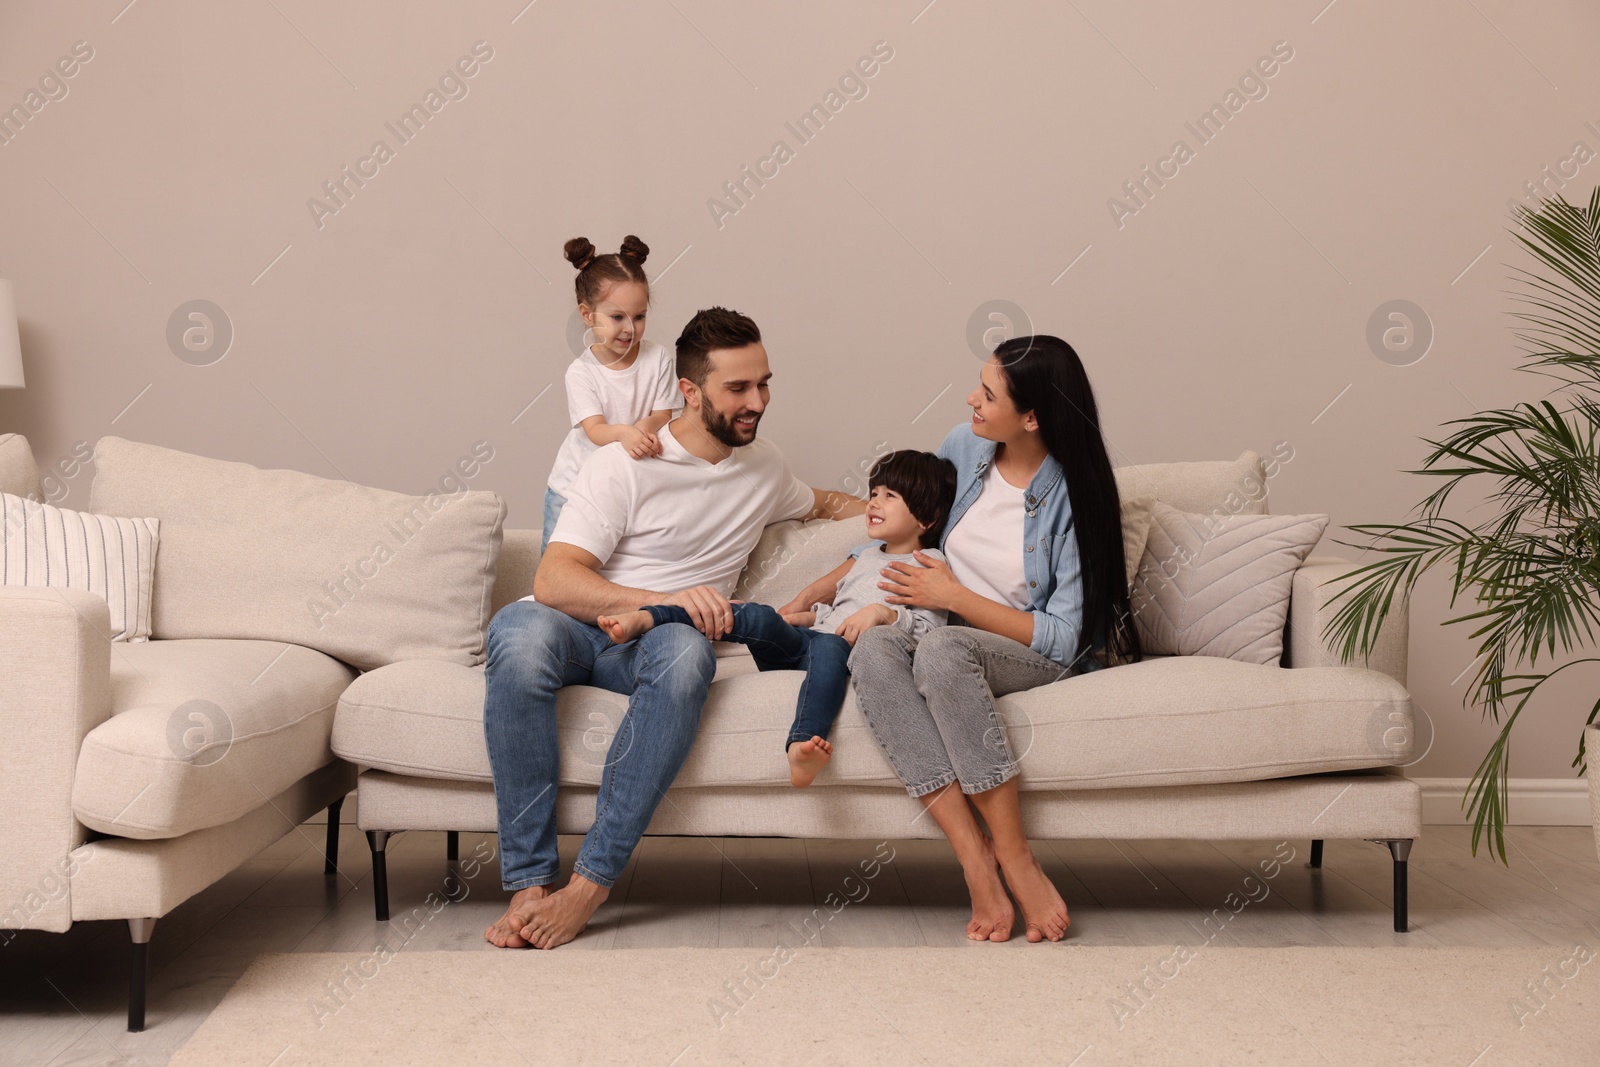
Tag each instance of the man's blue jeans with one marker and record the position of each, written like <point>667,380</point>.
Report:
<point>777,646</point>
<point>534,650</point>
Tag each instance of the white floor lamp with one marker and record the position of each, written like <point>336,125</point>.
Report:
<point>10,341</point>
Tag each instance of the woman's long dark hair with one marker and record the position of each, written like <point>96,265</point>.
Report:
<point>1045,376</point>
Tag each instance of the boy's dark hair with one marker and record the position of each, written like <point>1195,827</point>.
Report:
<point>925,482</point>
<point>711,329</point>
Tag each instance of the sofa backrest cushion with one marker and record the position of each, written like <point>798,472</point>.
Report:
<point>513,578</point>
<point>365,575</point>
<point>19,474</point>
<point>1205,487</point>
<point>793,554</point>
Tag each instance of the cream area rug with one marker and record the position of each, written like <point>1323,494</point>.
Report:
<point>1013,1003</point>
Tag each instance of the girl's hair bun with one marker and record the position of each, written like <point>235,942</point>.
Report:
<point>634,248</point>
<point>580,251</point>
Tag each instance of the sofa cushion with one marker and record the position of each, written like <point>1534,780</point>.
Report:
<point>1165,721</point>
<point>1219,586</point>
<point>1231,487</point>
<point>19,474</point>
<point>793,554</point>
<point>365,575</point>
<point>202,732</point>
<point>1138,511</point>
<point>57,548</point>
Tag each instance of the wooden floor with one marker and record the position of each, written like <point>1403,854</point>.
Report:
<point>62,996</point>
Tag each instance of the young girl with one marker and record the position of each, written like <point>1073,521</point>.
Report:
<point>912,493</point>
<point>622,388</point>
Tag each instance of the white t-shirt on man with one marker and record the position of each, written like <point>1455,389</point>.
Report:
<point>985,548</point>
<point>620,396</point>
<point>675,521</point>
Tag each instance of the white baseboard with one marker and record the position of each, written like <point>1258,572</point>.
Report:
<point>1533,801</point>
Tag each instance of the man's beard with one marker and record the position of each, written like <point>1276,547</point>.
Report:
<point>726,432</point>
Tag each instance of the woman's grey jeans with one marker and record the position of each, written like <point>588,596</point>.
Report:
<point>931,704</point>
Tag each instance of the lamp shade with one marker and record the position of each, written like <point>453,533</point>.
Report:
<point>10,341</point>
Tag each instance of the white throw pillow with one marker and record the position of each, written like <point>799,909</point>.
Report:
<point>42,545</point>
<point>1137,514</point>
<point>1219,586</point>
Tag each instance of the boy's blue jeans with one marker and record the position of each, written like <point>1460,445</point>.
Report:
<point>777,646</point>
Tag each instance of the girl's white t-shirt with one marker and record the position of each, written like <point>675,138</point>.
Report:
<point>985,547</point>
<point>621,397</point>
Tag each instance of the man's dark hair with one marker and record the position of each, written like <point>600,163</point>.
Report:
<point>711,329</point>
<point>925,482</point>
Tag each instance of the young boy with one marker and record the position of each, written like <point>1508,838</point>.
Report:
<point>912,493</point>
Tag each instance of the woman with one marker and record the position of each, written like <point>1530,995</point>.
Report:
<point>1035,573</point>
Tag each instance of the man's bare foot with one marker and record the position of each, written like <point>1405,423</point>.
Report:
<point>1043,910</point>
<point>507,930</point>
<point>564,914</point>
<point>626,626</point>
<point>806,760</point>
<point>992,914</point>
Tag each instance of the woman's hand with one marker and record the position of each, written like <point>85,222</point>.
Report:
<point>865,619</point>
<point>932,585</point>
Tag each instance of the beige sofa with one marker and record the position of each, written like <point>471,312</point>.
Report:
<point>287,650</point>
<point>1173,747</point>
<point>136,774</point>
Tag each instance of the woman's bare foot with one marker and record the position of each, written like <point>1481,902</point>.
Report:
<point>806,760</point>
<point>1043,910</point>
<point>992,914</point>
<point>626,626</point>
<point>507,930</point>
<point>564,914</point>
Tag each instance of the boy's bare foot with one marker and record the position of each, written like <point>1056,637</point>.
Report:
<point>806,760</point>
<point>506,931</point>
<point>626,626</point>
<point>992,914</point>
<point>564,914</point>
<point>1042,907</point>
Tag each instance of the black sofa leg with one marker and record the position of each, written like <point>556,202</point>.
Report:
<point>1401,851</point>
<point>452,845</point>
<point>1316,853</point>
<point>331,850</point>
<point>378,840</point>
<point>139,974</point>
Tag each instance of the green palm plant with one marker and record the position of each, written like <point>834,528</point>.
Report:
<point>1533,568</point>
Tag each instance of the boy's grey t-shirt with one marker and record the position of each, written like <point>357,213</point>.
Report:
<point>859,587</point>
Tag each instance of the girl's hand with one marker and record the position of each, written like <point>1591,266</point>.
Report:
<point>639,443</point>
<point>799,618</point>
<point>863,620</point>
<point>932,585</point>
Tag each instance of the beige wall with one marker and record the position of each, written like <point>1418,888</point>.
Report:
<point>381,342</point>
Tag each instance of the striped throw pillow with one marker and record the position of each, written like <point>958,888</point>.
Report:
<point>41,545</point>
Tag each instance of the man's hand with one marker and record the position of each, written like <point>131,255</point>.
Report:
<point>865,619</point>
<point>710,610</point>
<point>639,443</point>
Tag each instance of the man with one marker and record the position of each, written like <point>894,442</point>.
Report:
<point>672,530</point>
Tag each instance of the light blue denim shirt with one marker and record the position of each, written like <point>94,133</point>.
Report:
<point>1050,544</point>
